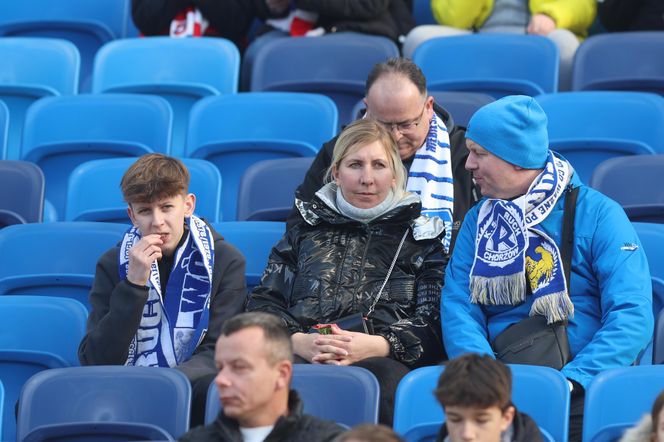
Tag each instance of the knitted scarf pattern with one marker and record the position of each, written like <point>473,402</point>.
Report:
<point>170,331</point>
<point>188,23</point>
<point>511,250</point>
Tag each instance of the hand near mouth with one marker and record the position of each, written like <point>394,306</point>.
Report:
<point>141,257</point>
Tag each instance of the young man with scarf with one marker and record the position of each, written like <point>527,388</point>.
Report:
<point>431,147</point>
<point>160,297</point>
<point>506,265</point>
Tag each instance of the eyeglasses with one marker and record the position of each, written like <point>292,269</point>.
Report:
<point>406,127</point>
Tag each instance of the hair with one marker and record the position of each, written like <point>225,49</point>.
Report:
<point>397,66</point>
<point>656,411</point>
<point>369,433</point>
<point>360,133</point>
<point>474,380</point>
<point>153,177</point>
<point>277,337</point>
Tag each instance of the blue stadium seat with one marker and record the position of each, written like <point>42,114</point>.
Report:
<point>652,239</point>
<point>255,240</point>
<point>498,64</point>
<point>63,132</point>
<point>33,68</point>
<point>103,395</point>
<point>642,198</point>
<point>582,126</point>
<point>106,203</point>
<point>38,333</point>
<point>22,197</point>
<point>346,395</point>
<point>181,70</point>
<point>336,65</point>
<point>641,66</point>
<point>4,129</point>
<point>87,24</point>
<point>235,131</point>
<point>461,105</point>
<point>658,340</point>
<point>416,405</point>
<point>267,189</point>
<point>619,397</point>
<point>54,259</point>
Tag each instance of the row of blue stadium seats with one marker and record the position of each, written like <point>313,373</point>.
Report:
<point>235,131</point>
<point>348,395</point>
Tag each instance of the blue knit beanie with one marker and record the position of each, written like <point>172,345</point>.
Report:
<point>514,129</point>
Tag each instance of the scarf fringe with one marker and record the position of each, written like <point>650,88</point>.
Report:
<point>555,307</point>
<point>498,290</point>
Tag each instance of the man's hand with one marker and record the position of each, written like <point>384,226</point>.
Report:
<point>541,24</point>
<point>141,257</point>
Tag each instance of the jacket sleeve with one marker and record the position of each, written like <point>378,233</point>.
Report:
<point>625,297</point>
<point>416,341</point>
<point>313,180</point>
<point>152,17</point>
<point>616,15</point>
<point>345,9</point>
<point>463,14</point>
<point>463,323</point>
<point>228,300</point>
<point>272,294</point>
<point>574,15</point>
<point>116,311</point>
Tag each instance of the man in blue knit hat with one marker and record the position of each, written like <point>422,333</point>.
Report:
<point>507,266</point>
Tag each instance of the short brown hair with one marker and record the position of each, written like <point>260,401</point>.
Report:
<point>277,337</point>
<point>153,177</point>
<point>369,433</point>
<point>474,380</point>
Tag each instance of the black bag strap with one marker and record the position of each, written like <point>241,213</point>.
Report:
<point>567,238</point>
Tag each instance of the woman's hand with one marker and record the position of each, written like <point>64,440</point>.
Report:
<point>357,346</point>
<point>313,346</point>
<point>541,24</point>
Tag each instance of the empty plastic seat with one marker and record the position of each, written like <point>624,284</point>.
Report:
<point>267,189</point>
<point>416,405</point>
<point>583,128</point>
<point>105,395</point>
<point>181,70</point>
<point>617,398</point>
<point>346,395</point>
<point>235,131</point>
<point>54,259</point>
<point>461,105</point>
<point>498,64</point>
<point>652,240</point>
<point>658,340</point>
<point>641,66</point>
<point>33,68</point>
<point>636,182</point>
<point>336,65</point>
<point>4,129</point>
<point>106,203</point>
<point>87,24</point>
<point>255,240</point>
<point>37,333</point>
<point>63,132</point>
<point>22,196</point>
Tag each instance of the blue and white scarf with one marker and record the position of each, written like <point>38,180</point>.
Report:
<point>169,332</point>
<point>430,177</point>
<point>509,247</point>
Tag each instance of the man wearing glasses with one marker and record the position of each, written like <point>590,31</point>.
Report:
<point>431,147</point>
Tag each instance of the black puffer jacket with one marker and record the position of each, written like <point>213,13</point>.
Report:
<point>331,266</point>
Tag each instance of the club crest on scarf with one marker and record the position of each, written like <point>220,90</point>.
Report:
<point>511,252</point>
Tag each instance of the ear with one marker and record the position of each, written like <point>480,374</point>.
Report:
<point>130,213</point>
<point>285,371</point>
<point>507,418</point>
<point>335,172</point>
<point>189,204</point>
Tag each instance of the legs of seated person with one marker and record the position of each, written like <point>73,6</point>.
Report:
<point>199,390</point>
<point>576,417</point>
<point>567,44</point>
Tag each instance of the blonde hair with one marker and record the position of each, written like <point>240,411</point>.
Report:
<point>360,133</point>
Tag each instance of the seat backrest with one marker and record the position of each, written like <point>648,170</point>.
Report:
<point>267,189</point>
<point>336,65</point>
<point>54,259</point>
<point>658,340</point>
<point>652,240</point>
<point>502,64</point>
<point>620,396</point>
<point>4,129</point>
<point>641,66</point>
<point>114,125</point>
<point>88,25</point>
<point>23,190</point>
<point>235,131</point>
<point>255,240</point>
<point>461,105</point>
<point>346,395</point>
<point>38,333</point>
<point>32,68</point>
<point>582,126</point>
<point>415,403</point>
<point>158,396</point>
<point>181,70</point>
<point>106,202</point>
